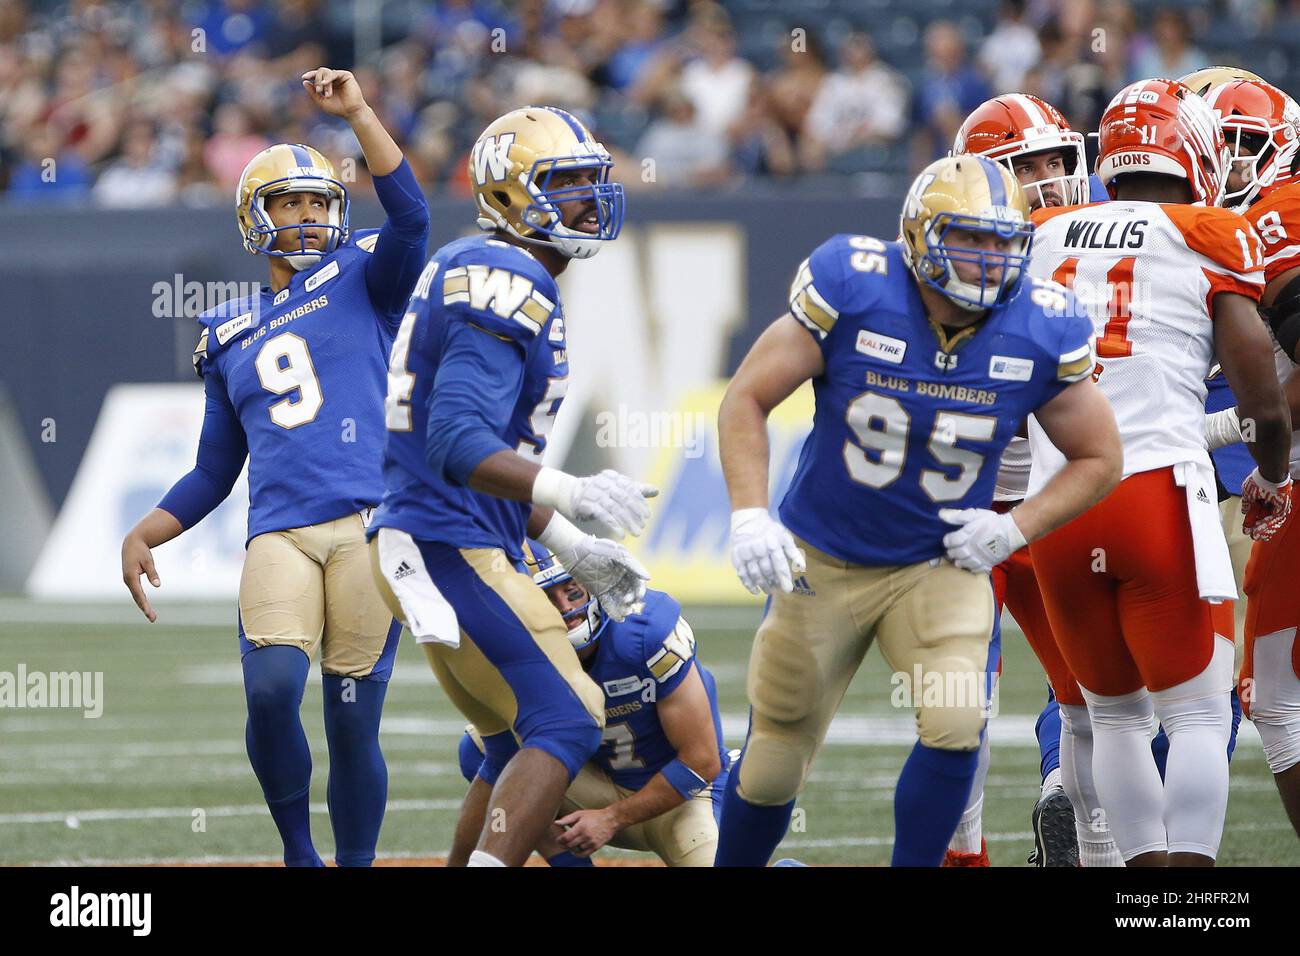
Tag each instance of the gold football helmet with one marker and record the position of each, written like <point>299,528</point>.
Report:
<point>1202,81</point>
<point>970,194</point>
<point>510,170</point>
<point>289,168</point>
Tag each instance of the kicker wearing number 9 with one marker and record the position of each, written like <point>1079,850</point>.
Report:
<point>925,355</point>
<point>294,378</point>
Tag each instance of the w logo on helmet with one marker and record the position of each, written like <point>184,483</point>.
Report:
<point>492,158</point>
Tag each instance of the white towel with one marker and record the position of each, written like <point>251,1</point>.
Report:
<point>428,614</point>
<point>1214,576</point>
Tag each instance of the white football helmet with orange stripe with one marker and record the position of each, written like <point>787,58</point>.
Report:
<point>1261,126</point>
<point>1160,126</point>
<point>1017,124</point>
<point>290,168</point>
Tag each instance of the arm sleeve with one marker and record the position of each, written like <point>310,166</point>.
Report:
<point>472,398</point>
<point>222,450</point>
<point>399,253</point>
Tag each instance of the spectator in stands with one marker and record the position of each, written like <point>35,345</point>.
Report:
<point>863,103</point>
<point>234,142</point>
<point>707,71</point>
<point>684,152</point>
<point>643,24</point>
<point>1170,51</point>
<point>949,89</point>
<point>137,179</point>
<point>48,172</point>
<point>1011,50</point>
<point>793,85</point>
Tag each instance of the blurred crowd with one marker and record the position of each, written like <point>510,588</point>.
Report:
<point>154,102</point>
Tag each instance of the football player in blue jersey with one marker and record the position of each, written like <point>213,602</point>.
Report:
<point>478,371</point>
<point>294,378</point>
<point>925,355</point>
<point>656,782</point>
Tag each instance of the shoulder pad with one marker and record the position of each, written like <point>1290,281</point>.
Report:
<point>367,242</point>
<point>1221,235</point>
<point>818,292</point>
<point>503,288</point>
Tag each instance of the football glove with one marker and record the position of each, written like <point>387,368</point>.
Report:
<point>605,568</point>
<point>609,505</point>
<point>983,539</point>
<point>1265,505</point>
<point>763,552</point>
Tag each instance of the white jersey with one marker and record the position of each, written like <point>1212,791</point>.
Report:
<point>1147,273</point>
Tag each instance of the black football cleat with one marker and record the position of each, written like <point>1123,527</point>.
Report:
<point>1055,840</point>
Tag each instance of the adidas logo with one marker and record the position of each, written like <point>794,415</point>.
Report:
<point>404,570</point>
<point>801,586</point>
<point>1202,496</point>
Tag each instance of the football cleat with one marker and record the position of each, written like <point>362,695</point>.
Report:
<point>971,194</point>
<point>290,168</point>
<point>1055,840</point>
<point>953,858</point>
<point>510,170</point>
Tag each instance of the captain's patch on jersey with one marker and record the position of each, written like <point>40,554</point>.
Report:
<point>883,347</point>
<point>1011,369</point>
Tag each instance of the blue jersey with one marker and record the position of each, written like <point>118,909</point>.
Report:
<point>910,420</point>
<point>479,365</point>
<point>294,379</point>
<point>638,662</point>
<point>303,370</point>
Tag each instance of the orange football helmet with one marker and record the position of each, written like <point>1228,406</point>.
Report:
<point>1261,126</point>
<point>1161,126</point>
<point>1018,124</point>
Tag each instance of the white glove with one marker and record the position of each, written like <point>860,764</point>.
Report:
<point>763,552</point>
<point>605,568</point>
<point>608,504</point>
<point>1265,504</point>
<point>1222,428</point>
<point>983,539</point>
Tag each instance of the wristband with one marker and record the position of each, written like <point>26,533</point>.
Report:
<point>683,779</point>
<point>560,534</point>
<point>554,489</point>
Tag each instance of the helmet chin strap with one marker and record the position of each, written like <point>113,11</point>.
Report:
<point>303,261</point>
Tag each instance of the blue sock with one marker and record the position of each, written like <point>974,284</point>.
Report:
<point>1236,722</point>
<point>1160,742</point>
<point>274,678</point>
<point>358,781</point>
<point>748,834</point>
<point>932,793</point>
<point>565,858</point>
<point>1048,732</point>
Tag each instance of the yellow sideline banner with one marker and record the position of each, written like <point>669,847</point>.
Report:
<point>687,545</point>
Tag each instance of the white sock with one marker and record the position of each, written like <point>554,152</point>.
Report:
<point>479,858</point>
<point>969,835</point>
<point>1051,782</point>
<point>970,831</point>
<point>1197,717</point>
<point>1128,783</point>
<point>1097,849</point>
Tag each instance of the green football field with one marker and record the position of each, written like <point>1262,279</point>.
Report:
<point>162,775</point>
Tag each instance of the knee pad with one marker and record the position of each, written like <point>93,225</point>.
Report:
<point>775,765</point>
<point>469,757</point>
<point>1126,714</point>
<point>1075,721</point>
<point>1281,740</point>
<point>497,751</point>
<point>950,728</point>
<point>572,744</point>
